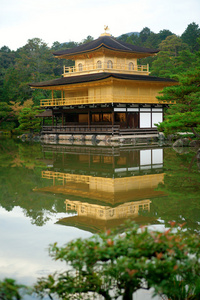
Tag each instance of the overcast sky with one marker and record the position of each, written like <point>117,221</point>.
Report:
<point>74,20</point>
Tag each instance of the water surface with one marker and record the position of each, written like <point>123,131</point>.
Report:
<point>56,193</point>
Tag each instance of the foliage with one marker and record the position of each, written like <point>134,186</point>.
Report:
<point>184,114</point>
<point>10,290</point>
<point>115,265</point>
<point>191,35</point>
<point>26,160</point>
<point>173,45</point>
<point>17,107</point>
<point>88,39</point>
<point>146,37</point>
<point>180,201</point>
<point>10,113</point>
<point>172,60</point>
<point>5,111</point>
<point>28,120</point>
<point>163,66</point>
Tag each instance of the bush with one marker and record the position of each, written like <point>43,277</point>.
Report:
<point>10,290</point>
<point>113,265</point>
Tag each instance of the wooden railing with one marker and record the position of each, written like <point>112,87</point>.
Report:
<point>65,177</point>
<point>97,100</point>
<point>104,67</point>
<point>81,129</point>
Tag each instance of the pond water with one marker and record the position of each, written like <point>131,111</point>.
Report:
<point>56,193</point>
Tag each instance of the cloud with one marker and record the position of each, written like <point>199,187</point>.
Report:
<point>23,251</point>
<point>65,20</point>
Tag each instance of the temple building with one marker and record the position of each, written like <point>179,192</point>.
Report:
<point>102,191</point>
<point>106,91</point>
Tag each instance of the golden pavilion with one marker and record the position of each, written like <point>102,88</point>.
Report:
<point>102,191</point>
<point>106,91</point>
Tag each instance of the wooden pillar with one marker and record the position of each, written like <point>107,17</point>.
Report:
<point>89,119</point>
<point>52,118</point>
<point>113,117</point>
<point>62,119</point>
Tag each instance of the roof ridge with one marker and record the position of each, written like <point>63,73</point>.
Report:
<point>120,43</point>
<point>108,42</point>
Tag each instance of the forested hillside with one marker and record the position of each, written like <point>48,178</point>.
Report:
<point>35,62</point>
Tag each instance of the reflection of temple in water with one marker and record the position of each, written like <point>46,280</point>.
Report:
<point>94,217</point>
<point>104,190</point>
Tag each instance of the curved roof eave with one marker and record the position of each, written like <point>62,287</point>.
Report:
<point>107,42</point>
<point>99,76</point>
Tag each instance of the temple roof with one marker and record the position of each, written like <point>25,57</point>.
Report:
<point>93,225</point>
<point>45,114</point>
<point>96,77</point>
<point>107,42</point>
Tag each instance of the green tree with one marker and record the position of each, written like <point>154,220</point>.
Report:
<point>173,44</point>
<point>185,60</point>
<point>89,38</point>
<point>5,111</point>
<point>114,265</point>
<point>163,65</point>
<point>163,34</point>
<point>27,119</point>
<point>133,39</point>
<point>166,65</point>
<point>144,34</point>
<point>10,290</point>
<point>123,37</point>
<point>184,114</point>
<point>174,58</point>
<point>191,35</point>
<point>7,59</point>
<point>33,62</point>
<point>60,63</point>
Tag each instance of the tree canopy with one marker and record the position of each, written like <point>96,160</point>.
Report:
<point>184,114</point>
<point>114,265</point>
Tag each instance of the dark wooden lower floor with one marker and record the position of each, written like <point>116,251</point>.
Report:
<point>96,129</point>
<point>102,120</point>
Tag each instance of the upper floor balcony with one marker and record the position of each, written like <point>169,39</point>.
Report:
<point>108,66</point>
<point>86,100</point>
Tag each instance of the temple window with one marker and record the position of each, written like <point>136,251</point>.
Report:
<point>82,118</point>
<point>131,66</point>
<point>80,67</point>
<point>107,118</point>
<point>101,117</point>
<point>111,212</point>
<point>101,212</point>
<point>109,64</point>
<point>96,117</point>
<point>120,117</point>
<point>99,64</point>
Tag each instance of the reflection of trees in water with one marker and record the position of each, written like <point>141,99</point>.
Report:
<point>18,180</point>
<point>20,172</point>
<point>181,186</point>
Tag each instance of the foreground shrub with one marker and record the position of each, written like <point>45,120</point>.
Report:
<point>114,265</point>
<point>10,290</point>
